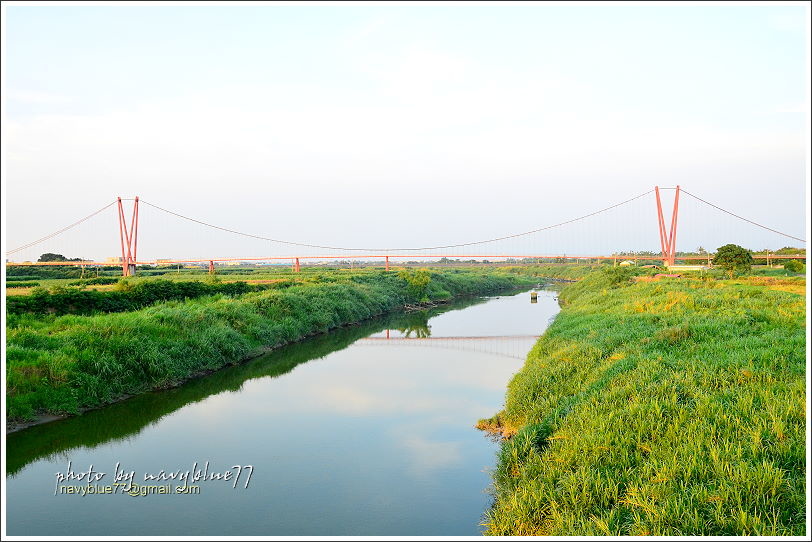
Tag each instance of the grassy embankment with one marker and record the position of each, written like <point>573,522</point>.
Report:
<point>127,295</point>
<point>670,407</point>
<point>564,272</point>
<point>574,272</point>
<point>65,364</point>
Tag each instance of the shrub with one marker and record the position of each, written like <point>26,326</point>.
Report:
<point>124,285</point>
<point>94,281</point>
<point>49,272</point>
<point>127,296</point>
<point>794,266</point>
<point>417,283</point>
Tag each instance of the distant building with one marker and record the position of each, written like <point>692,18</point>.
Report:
<point>114,259</point>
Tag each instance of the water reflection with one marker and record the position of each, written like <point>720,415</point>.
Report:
<point>375,438</point>
<point>122,420</point>
<point>416,322</point>
<point>510,346</point>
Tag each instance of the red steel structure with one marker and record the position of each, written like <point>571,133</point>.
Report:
<point>128,233</point>
<point>381,258</point>
<point>668,242</point>
<point>129,237</point>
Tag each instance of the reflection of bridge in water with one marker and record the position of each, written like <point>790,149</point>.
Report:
<point>510,346</point>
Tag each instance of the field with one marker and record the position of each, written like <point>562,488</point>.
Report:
<point>70,349</point>
<point>659,407</point>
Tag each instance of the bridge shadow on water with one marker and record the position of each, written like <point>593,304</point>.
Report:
<point>127,418</point>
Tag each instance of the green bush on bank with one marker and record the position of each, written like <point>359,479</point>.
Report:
<point>670,407</point>
<point>795,266</point>
<point>21,278</point>
<point>63,364</point>
<point>94,281</point>
<point>47,272</point>
<point>569,272</point>
<point>128,297</point>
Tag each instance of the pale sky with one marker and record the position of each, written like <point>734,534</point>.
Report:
<point>403,125</point>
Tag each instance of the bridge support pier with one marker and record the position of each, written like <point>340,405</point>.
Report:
<point>387,263</point>
<point>211,267</point>
<point>296,267</point>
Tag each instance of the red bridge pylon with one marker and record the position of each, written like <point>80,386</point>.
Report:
<point>668,240</point>
<point>129,238</point>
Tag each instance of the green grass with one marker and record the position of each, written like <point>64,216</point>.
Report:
<point>126,295</point>
<point>670,407</point>
<point>566,271</point>
<point>775,272</point>
<point>65,364</point>
<point>22,284</point>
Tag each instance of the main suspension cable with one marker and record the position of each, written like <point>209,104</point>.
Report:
<point>742,218</point>
<point>54,234</point>
<point>407,249</point>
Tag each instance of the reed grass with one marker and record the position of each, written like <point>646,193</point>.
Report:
<point>668,407</point>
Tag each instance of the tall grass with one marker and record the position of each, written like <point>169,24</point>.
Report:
<point>69,363</point>
<point>127,296</point>
<point>567,272</point>
<point>671,407</point>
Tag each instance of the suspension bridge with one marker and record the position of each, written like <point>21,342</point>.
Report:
<point>554,242</point>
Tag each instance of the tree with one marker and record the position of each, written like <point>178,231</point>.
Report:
<point>51,257</point>
<point>733,259</point>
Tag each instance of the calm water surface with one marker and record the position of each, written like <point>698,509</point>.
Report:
<point>349,433</point>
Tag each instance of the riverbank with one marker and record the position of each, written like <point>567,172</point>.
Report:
<point>668,407</point>
<point>127,419</point>
<point>67,364</point>
<point>564,272</point>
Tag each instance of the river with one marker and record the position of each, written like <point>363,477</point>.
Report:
<point>367,430</point>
